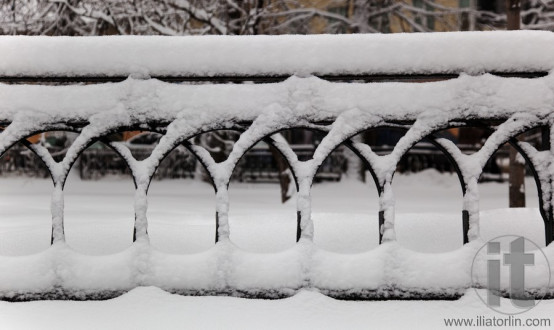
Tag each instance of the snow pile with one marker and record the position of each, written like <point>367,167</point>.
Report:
<point>387,271</point>
<point>423,53</point>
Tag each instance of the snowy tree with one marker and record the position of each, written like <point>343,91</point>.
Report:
<point>165,17</point>
<point>199,17</point>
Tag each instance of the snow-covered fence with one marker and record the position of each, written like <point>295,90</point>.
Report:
<point>517,97</point>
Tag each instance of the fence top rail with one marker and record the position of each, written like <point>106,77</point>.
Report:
<point>65,80</point>
<point>359,55</point>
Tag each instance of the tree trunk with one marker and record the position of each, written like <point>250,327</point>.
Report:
<point>284,177</point>
<point>517,176</point>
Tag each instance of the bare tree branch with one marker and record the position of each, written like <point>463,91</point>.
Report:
<point>186,17</point>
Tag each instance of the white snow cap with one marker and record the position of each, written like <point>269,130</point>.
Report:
<point>413,53</point>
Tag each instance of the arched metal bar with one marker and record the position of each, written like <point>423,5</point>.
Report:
<point>24,136</point>
<point>250,146</point>
<point>381,215</point>
<point>104,140</point>
<point>294,176</point>
<point>347,142</point>
<point>351,146</point>
<point>268,138</point>
<point>107,143</point>
<point>27,144</point>
<point>185,141</point>
<point>544,210</point>
<point>190,147</point>
<point>506,139</point>
<point>546,215</point>
<point>272,143</point>
<point>164,153</point>
<point>431,138</point>
<point>512,141</point>
<point>100,138</point>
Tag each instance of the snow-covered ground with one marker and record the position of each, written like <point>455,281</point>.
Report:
<point>152,308</point>
<point>99,221</point>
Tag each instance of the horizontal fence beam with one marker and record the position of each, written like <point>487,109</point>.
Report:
<point>259,79</point>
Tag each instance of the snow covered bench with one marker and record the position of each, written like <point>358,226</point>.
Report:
<point>99,86</point>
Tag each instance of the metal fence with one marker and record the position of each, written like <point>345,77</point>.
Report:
<point>176,154</point>
<point>505,130</point>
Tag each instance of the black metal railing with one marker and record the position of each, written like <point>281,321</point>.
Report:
<point>339,130</point>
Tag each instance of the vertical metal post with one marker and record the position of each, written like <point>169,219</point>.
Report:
<point>517,169</point>
<point>216,226</point>
<point>298,228</point>
<point>381,223</point>
<point>548,230</point>
<point>465,225</point>
<point>549,223</point>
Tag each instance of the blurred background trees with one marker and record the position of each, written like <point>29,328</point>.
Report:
<point>238,17</point>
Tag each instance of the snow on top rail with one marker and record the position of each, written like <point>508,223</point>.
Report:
<point>321,55</point>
